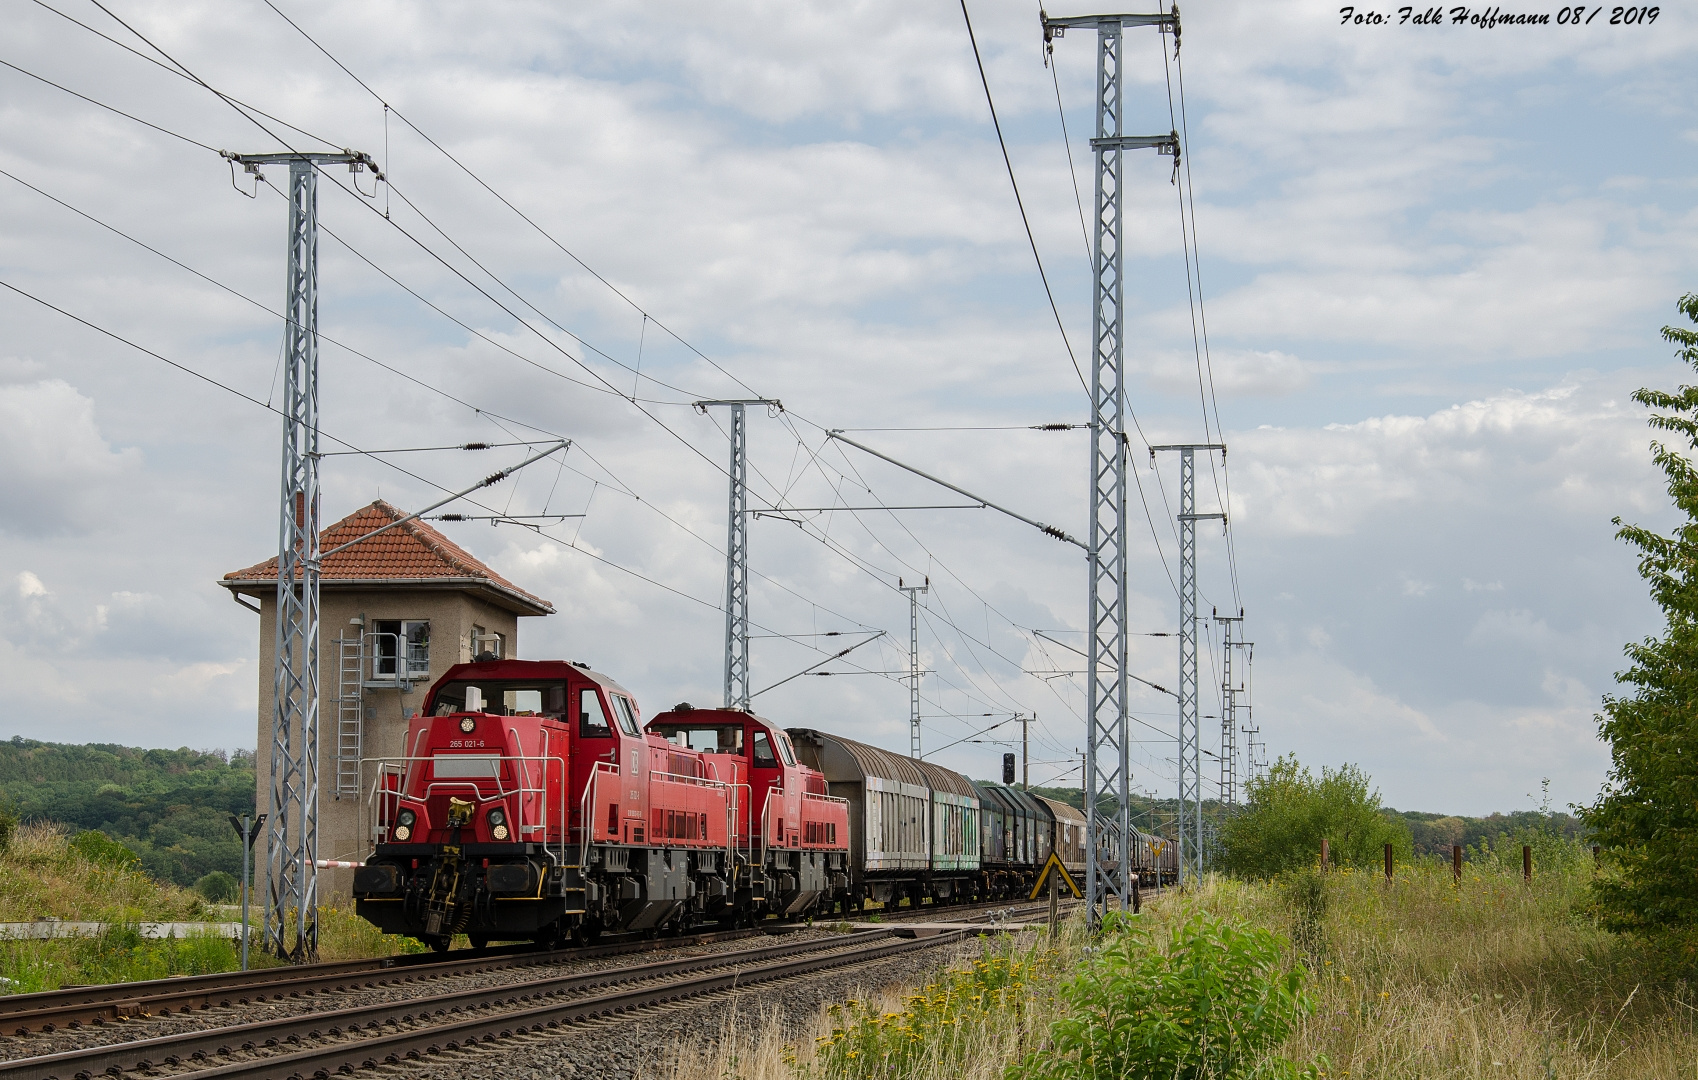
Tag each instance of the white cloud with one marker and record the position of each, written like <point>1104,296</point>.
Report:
<point>55,466</point>
<point>814,197</point>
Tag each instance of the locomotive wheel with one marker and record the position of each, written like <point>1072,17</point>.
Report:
<point>438,943</point>
<point>479,941</point>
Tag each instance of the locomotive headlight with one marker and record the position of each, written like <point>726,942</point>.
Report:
<point>407,817</point>
<point>467,724</point>
<point>498,824</point>
<point>499,832</point>
<point>402,832</point>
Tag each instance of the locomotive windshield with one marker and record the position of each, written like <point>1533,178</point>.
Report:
<point>506,697</point>
<point>713,738</point>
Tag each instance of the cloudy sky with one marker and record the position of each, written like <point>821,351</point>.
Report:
<point>1434,260</point>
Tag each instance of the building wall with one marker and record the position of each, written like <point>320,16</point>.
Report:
<point>344,825</point>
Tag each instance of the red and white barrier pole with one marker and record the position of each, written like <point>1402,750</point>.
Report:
<point>334,864</point>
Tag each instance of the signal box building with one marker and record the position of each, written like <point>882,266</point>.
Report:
<point>397,611</point>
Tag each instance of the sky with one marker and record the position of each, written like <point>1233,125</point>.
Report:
<point>1431,266</point>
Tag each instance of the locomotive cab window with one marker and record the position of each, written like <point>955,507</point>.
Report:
<point>763,752</point>
<point>627,716</point>
<point>714,739</point>
<point>784,748</point>
<point>503,697</point>
<point>592,722</point>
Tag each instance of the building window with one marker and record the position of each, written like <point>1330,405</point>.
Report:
<point>400,649</point>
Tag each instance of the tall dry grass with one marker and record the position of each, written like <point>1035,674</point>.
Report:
<point>42,876</point>
<point>1491,979</point>
<point>966,1023</point>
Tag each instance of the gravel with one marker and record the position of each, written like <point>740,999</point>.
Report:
<point>645,1044</point>
<point>16,1046</point>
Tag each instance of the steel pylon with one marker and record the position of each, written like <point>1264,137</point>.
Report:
<point>1107,749</point>
<point>291,900</point>
<point>1190,735</point>
<point>914,592</point>
<point>737,553</point>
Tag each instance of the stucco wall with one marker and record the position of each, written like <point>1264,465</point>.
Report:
<point>344,828</point>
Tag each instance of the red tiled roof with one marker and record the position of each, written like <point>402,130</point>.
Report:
<point>410,552</point>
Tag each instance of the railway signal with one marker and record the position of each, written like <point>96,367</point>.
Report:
<point>247,828</point>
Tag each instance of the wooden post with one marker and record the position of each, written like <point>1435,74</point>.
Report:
<point>1594,852</point>
<point>1456,862</point>
<point>1388,864</point>
<point>1054,904</point>
<point>1325,857</point>
<point>1527,864</point>
<point>1137,901</point>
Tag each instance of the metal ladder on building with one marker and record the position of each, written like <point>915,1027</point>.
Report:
<point>350,714</point>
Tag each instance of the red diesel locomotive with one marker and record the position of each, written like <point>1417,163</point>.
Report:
<point>531,803</point>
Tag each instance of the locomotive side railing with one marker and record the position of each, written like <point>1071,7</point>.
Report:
<point>811,796</point>
<point>708,782</point>
<point>766,816</point>
<point>590,789</point>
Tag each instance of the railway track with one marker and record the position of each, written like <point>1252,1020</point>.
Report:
<point>393,1032</point>
<point>72,1008</point>
<point>77,1007</point>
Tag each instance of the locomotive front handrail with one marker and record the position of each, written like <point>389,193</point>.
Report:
<point>402,767</point>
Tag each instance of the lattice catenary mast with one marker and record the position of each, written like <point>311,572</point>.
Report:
<point>1107,762</point>
<point>737,553</point>
<point>1190,734</point>
<point>914,592</point>
<point>1228,710</point>
<point>292,818</point>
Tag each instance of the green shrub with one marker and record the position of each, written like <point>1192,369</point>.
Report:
<point>1212,1002</point>
<point>1290,811</point>
<point>97,847</point>
<point>218,887</point>
<point>936,1026</point>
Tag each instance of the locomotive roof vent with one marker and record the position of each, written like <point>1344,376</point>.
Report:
<point>683,706</point>
<point>579,663</point>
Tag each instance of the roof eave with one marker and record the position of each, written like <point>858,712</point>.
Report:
<point>511,599</point>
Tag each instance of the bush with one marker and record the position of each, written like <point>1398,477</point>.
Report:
<point>8,823</point>
<point>1290,812</point>
<point>1213,1001</point>
<point>97,847</point>
<point>219,887</point>
<point>935,1028</point>
<point>1645,818</point>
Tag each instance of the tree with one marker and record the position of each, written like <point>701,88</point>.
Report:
<point>1290,811</point>
<point>1646,817</point>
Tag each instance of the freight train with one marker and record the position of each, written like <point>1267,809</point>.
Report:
<point>533,802</point>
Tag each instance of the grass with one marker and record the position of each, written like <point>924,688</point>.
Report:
<point>43,876</point>
<point>1491,978</point>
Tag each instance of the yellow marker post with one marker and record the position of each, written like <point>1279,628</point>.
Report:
<point>1055,864</point>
